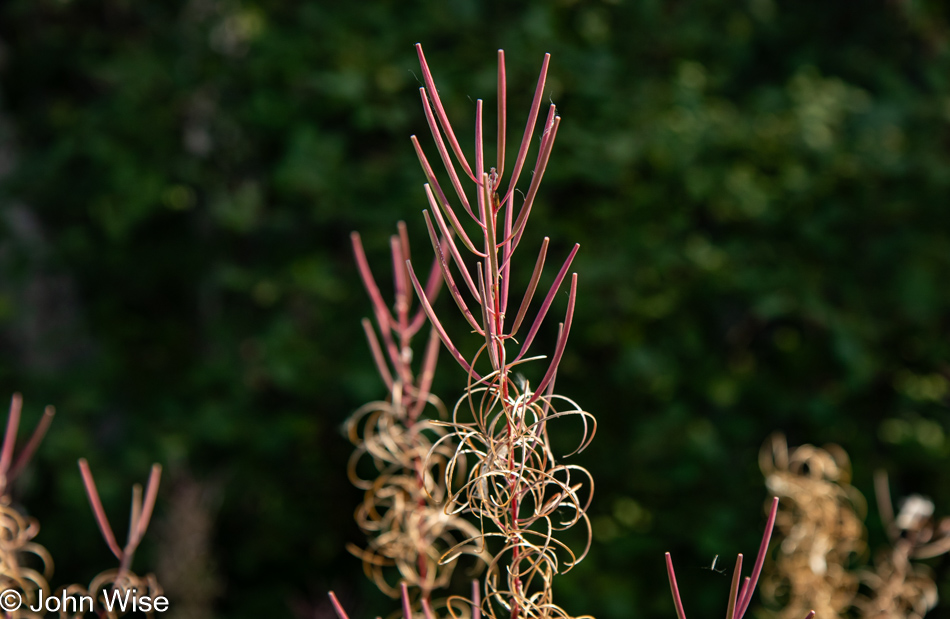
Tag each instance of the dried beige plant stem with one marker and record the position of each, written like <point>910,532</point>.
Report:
<point>820,521</point>
<point>896,587</point>
<point>185,556</point>
<point>402,510</point>
<point>502,470</point>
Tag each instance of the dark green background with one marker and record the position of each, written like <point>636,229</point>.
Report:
<point>761,191</point>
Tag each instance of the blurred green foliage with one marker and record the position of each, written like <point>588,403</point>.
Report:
<point>760,189</point>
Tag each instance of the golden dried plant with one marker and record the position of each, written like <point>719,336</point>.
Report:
<point>403,509</point>
<point>492,460</point>
<point>897,588</point>
<point>820,520</point>
<point>16,545</point>
<point>518,491</point>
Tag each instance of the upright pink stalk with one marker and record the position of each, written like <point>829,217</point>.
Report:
<point>10,468</point>
<point>496,249</point>
<point>514,482</point>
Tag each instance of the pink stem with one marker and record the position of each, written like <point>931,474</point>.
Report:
<point>404,244</point>
<point>677,601</point>
<point>443,201</point>
<point>406,606</point>
<point>529,128</point>
<point>447,275</point>
<point>438,325</point>
<point>444,154</point>
<point>382,312</point>
<point>745,589</point>
<point>489,324</point>
<point>759,560</point>
<point>734,589</point>
<point>453,249</point>
<point>378,358</point>
<point>476,601</point>
<point>151,494</point>
<point>338,607</point>
<point>491,260</point>
<point>97,509</point>
<point>547,302</point>
<point>443,119</point>
<point>433,285</point>
<point>399,286</point>
<point>479,141</point>
<point>561,341</point>
<point>27,452</point>
<point>547,144</point>
<point>532,286</point>
<point>9,437</point>
<point>502,111</point>
<point>506,251</point>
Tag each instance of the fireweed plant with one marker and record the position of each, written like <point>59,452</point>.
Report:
<point>824,540</point>
<point>403,512</point>
<point>494,452</point>
<point>498,464</point>
<point>821,529</point>
<point>26,567</point>
<point>513,486</point>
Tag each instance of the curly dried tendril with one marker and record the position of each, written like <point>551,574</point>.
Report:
<point>18,552</point>
<point>516,489</point>
<point>402,512</point>
<point>402,508</point>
